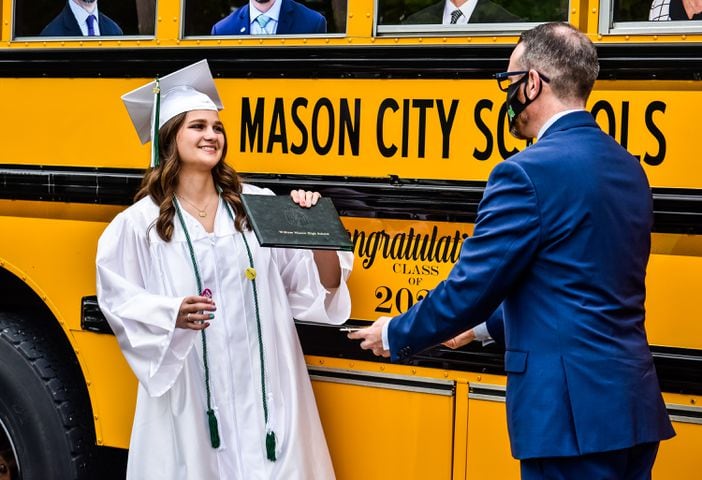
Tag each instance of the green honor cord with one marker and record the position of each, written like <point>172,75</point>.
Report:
<point>251,275</point>
<point>211,418</point>
<point>154,126</point>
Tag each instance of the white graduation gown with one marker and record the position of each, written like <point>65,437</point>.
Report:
<point>141,282</point>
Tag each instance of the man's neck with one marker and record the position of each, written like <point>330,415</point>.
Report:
<point>263,7</point>
<point>87,6</point>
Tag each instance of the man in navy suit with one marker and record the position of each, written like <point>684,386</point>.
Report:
<point>561,241</point>
<point>471,11</point>
<point>270,17</point>
<point>81,18</point>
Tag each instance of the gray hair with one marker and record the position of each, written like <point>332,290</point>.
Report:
<point>565,55</point>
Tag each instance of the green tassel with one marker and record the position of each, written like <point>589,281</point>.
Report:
<point>214,430</point>
<point>270,446</point>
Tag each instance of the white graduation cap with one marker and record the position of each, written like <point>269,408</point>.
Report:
<point>152,105</point>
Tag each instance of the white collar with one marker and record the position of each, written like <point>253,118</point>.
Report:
<point>467,10</point>
<point>82,14</point>
<point>555,118</point>
<point>273,12</point>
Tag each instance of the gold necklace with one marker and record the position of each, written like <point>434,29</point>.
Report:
<point>201,212</point>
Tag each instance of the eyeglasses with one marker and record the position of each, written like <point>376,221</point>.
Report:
<point>504,81</point>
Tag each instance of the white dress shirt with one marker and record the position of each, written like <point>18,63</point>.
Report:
<point>467,10</point>
<point>273,13</point>
<point>82,14</point>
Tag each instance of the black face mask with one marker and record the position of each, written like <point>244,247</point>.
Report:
<point>514,106</point>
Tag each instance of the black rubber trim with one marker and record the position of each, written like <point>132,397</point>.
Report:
<point>69,184</point>
<point>691,416</point>
<point>380,379</point>
<point>497,393</point>
<point>92,318</point>
<point>675,210</point>
<point>679,369</point>
<point>631,62</point>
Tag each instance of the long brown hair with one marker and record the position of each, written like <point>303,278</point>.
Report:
<point>160,182</point>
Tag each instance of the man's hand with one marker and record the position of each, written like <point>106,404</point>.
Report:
<point>461,339</point>
<point>692,7</point>
<point>372,337</point>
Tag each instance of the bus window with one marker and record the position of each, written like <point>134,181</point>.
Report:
<point>668,10</point>
<point>224,18</point>
<point>71,18</point>
<point>461,16</point>
<point>649,17</point>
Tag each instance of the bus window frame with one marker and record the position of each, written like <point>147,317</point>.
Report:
<point>607,25</point>
<point>182,36</point>
<point>473,29</point>
<point>80,38</point>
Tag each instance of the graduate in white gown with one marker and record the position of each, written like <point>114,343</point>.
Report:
<point>204,315</point>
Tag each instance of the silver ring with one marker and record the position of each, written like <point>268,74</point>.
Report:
<point>187,317</point>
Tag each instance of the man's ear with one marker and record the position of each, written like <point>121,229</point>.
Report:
<point>533,85</point>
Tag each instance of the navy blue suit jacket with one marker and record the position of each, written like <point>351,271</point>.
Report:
<point>562,240</point>
<point>66,25</point>
<point>496,327</point>
<point>294,18</point>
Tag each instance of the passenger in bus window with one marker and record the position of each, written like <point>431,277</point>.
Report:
<point>81,18</point>
<point>664,10</point>
<point>8,466</point>
<point>182,262</point>
<point>270,17</point>
<point>561,241</point>
<point>461,12</point>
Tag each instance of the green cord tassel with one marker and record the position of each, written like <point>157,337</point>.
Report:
<point>270,446</point>
<point>214,430</point>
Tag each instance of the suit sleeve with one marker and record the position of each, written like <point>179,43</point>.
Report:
<point>321,25</point>
<point>496,326</point>
<point>506,237</point>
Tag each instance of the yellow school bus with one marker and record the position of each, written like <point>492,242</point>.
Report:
<point>400,124</point>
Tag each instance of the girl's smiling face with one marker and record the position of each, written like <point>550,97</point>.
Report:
<point>200,140</point>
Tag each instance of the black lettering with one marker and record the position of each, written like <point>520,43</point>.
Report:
<point>455,248</point>
<point>422,293</point>
<point>396,246</point>
<point>446,123</point>
<point>299,149</point>
<point>408,246</point>
<point>604,106</point>
<point>432,253</point>
<point>422,106</point>
<point>483,155</point>
<point>405,127</point>
<point>656,106</point>
<point>384,150</point>
<point>624,140</point>
<point>349,127</point>
<point>384,294</point>
<point>251,127</point>
<point>322,149</point>
<point>403,305</point>
<point>278,123</point>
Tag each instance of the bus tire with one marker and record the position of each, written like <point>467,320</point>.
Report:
<point>44,406</point>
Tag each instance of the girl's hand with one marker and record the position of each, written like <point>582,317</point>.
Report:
<point>195,312</point>
<point>305,198</point>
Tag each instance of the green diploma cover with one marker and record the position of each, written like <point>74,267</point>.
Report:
<point>280,222</point>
